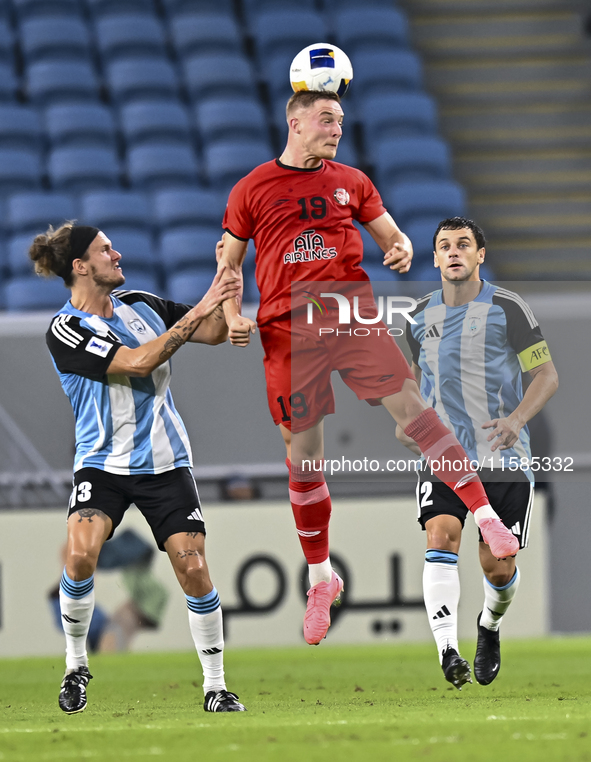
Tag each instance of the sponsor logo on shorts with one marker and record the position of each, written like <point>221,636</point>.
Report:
<point>341,196</point>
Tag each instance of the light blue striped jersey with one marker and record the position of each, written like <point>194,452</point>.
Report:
<point>471,359</point>
<point>124,425</point>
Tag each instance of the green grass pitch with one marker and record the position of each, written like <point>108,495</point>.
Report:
<point>382,702</point>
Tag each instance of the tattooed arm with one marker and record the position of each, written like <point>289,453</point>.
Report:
<point>142,360</point>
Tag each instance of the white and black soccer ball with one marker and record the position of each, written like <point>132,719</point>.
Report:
<point>321,67</point>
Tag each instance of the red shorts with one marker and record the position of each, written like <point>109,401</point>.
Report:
<point>298,365</point>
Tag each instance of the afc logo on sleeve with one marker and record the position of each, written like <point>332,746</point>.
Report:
<point>98,347</point>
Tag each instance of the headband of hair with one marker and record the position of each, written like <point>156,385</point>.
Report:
<point>81,236</point>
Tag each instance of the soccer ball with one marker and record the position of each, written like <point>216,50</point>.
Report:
<point>321,67</point>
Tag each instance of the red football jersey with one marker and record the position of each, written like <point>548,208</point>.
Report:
<point>301,221</point>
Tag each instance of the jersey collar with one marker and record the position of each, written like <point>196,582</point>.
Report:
<point>299,169</point>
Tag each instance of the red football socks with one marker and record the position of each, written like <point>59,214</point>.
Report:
<point>447,458</point>
<point>311,506</point>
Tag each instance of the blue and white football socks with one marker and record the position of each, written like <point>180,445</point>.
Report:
<point>205,621</point>
<point>76,605</point>
<point>441,591</point>
<point>497,600</point>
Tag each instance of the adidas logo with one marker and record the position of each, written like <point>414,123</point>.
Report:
<point>211,651</point>
<point>443,612</point>
<point>432,333</point>
<point>516,528</point>
<point>70,620</point>
<point>195,516</point>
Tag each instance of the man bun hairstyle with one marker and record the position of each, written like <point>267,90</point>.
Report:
<point>457,223</point>
<point>306,98</point>
<point>54,251</point>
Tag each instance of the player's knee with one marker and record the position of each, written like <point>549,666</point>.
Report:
<point>81,563</point>
<point>442,538</point>
<point>500,578</point>
<point>195,573</point>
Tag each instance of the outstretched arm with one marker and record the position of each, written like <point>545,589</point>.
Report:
<point>392,241</point>
<point>231,258</point>
<point>505,431</point>
<point>142,360</point>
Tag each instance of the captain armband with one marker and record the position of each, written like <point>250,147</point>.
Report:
<point>533,356</point>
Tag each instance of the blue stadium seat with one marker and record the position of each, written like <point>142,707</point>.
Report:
<point>377,272</point>
<point>236,118</point>
<point>20,170</point>
<point>275,74</point>
<point>386,71</point>
<point>123,35</point>
<point>58,81</point>
<point>17,255</point>
<point>370,28</point>
<point>31,292</point>
<point>54,37</point>
<point>6,43</point>
<point>105,7</point>
<point>182,208</point>
<point>251,290</point>
<point>330,6</point>
<point>116,209</point>
<point>205,33</point>
<point>86,124</point>
<point>31,8</point>
<point>143,121</point>
<point>80,168</point>
<point>218,74</point>
<point>20,127</point>
<point>136,248</point>
<point>8,83</point>
<point>227,161</point>
<point>34,212</point>
<point>190,286</point>
<point>422,158</point>
<point>288,31</point>
<point>347,153</point>
<point>421,237</point>
<point>371,251</point>
<point>396,116</point>
<point>154,166</point>
<point>142,279</point>
<point>173,7</point>
<point>142,79</point>
<point>189,247</point>
<point>253,8</point>
<point>412,201</point>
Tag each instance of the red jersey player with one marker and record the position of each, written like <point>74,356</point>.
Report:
<point>299,210</point>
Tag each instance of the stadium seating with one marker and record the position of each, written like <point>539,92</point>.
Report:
<point>194,33</point>
<point>181,208</point>
<point>142,78</point>
<point>116,209</point>
<point>190,286</point>
<point>173,7</point>
<point>189,247</point>
<point>83,168</point>
<point>19,170</point>
<point>152,166</point>
<point>401,115</point>
<point>411,159</point>
<point>6,43</point>
<point>54,37</point>
<point>104,7</point>
<point>136,249</point>
<point>421,236</point>
<point>285,31</point>
<point>75,124</point>
<point>31,8</point>
<point>138,279</point>
<point>20,127</point>
<point>149,121</point>
<point>227,161</point>
<point>58,81</point>
<point>34,212</point>
<point>386,71</point>
<point>370,29</point>
<point>413,201</point>
<point>235,118</point>
<point>124,35</point>
<point>17,255</point>
<point>8,83</point>
<point>30,292</point>
<point>218,74</point>
<point>253,8</point>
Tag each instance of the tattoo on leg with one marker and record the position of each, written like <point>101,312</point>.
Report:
<point>185,553</point>
<point>88,513</point>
